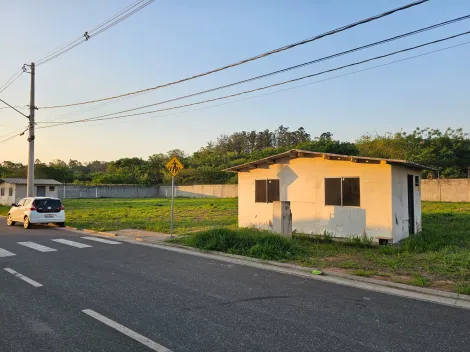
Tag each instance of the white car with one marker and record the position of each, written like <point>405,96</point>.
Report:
<point>37,210</point>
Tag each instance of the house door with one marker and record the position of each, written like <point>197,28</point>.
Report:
<point>41,191</point>
<point>411,205</point>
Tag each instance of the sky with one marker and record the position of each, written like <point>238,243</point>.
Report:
<point>169,40</point>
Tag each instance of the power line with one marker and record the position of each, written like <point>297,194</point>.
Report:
<point>11,80</point>
<point>4,102</point>
<point>275,51</point>
<point>13,136</point>
<point>265,87</point>
<point>298,86</point>
<point>297,66</point>
<point>89,34</point>
<point>280,71</point>
<point>16,106</point>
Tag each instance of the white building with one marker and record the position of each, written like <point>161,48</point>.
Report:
<point>342,195</point>
<point>13,189</point>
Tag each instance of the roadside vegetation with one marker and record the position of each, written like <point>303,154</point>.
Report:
<point>438,257</point>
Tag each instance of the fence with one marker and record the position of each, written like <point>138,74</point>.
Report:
<point>134,191</point>
<point>446,190</point>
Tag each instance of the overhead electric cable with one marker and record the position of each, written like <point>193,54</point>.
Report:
<point>289,68</point>
<point>286,47</point>
<point>100,118</point>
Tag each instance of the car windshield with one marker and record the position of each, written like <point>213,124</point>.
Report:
<point>47,203</point>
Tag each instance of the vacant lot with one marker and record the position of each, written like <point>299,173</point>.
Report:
<point>148,214</point>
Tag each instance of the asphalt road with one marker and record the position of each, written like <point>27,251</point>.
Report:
<point>136,296</point>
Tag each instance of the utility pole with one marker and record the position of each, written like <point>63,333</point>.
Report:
<point>32,108</point>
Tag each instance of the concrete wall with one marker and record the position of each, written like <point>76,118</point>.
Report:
<point>118,191</point>
<point>200,191</point>
<point>446,190</point>
<point>131,191</point>
<point>302,182</point>
<point>400,217</point>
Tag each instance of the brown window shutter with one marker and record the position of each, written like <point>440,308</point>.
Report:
<point>273,191</point>
<point>260,191</point>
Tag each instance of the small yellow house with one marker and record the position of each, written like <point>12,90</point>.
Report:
<point>343,195</point>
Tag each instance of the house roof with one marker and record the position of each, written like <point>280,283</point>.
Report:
<point>22,181</point>
<point>297,153</point>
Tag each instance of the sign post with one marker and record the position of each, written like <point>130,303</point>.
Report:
<point>174,166</point>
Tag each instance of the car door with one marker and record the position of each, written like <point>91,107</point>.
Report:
<point>16,211</point>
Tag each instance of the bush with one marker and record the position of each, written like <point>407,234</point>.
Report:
<point>247,242</point>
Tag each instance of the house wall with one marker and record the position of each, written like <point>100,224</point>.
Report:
<point>400,202</point>
<point>49,193</point>
<point>6,199</point>
<point>302,183</point>
<point>19,192</point>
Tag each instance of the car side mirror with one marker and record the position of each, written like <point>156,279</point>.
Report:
<point>14,204</point>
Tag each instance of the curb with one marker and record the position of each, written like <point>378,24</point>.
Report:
<point>414,292</point>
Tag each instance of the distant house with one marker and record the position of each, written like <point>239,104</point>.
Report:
<point>343,195</point>
<point>13,189</point>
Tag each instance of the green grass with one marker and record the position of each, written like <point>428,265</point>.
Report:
<point>247,242</point>
<point>150,214</point>
<point>365,273</point>
<point>4,210</point>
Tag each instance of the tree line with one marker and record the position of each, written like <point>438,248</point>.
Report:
<point>446,151</point>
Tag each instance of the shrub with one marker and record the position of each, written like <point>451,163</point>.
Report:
<point>248,242</point>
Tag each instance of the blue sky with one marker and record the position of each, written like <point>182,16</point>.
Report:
<point>169,40</point>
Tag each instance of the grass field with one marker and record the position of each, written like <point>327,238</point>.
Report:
<point>148,214</point>
<point>438,257</point>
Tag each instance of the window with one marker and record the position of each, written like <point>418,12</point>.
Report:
<point>343,191</point>
<point>51,188</point>
<point>267,191</point>
<point>417,181</point>
<point>2,192</point>
<point>21,202</point>
<point>10,192</point>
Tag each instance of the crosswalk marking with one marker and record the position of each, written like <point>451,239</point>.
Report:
<point>97,239</point>
<point>24,278</point>
<point>5,253</point>
<point>38,247</point>
<point>72,243</point>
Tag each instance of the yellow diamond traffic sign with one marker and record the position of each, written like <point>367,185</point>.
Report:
<point>174,166</point>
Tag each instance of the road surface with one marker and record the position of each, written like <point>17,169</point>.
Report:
<point>86,295</point>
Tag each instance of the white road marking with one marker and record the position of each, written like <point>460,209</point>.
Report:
<point>98,239</point>
<point>122,329</point>
<point>38,247</point>
<point>72,243</point>
<point>24,278</point>
<point>5,253</point>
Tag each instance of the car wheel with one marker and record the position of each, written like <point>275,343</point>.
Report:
<point>61,224</point>
<point>26,224</point>
<point>10,221</point>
